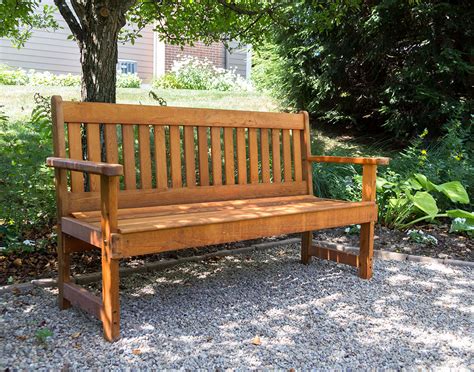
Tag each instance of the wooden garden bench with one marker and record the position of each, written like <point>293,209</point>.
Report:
<point>134,180</point>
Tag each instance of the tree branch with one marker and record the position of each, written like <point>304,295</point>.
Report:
<point>70,19</point>
<point>232,6</point>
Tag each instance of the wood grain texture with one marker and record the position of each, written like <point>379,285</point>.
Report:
<point>111,143</point>
<point>229,156</point>
<point>307,168</point>
<point>203,149</point>
<point>110,314</point>
<point>160,157</point>
<point>175,157</point>
<point>88,201</point>
<point>296,138</point>
<point>335,255</point>
<point>349,160</point>
<point>276,155</point>
<point>216,156</point>
<point>241,156</point>
<point>286,155</point>
<point>93,112</point>
<point>265,155</point>
<point>85,166</point>
<point>75,152</point>
<point>128,147</point>
<point>93,152</point>
<point>144,154</point>
<point>253,155</point>
<point>189,156</point>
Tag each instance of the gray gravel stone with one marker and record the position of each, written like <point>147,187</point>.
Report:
<point>206,314</point>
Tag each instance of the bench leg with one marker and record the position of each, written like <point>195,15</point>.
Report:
<point>64,270</point>
<point>366,250</point>
<point>110,298</point>
<point>306,242</point>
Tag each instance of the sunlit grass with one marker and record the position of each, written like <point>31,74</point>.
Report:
<point>18,101</point>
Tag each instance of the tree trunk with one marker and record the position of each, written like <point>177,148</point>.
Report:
<point>99,51</point>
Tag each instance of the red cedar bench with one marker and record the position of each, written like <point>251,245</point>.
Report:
<point>173,192</point>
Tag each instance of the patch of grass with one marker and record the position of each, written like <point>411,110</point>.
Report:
<point>18,100</point>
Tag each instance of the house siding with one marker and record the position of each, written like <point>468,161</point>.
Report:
<point>53,52</point>
<point>214,53</point>
<point>237,58</point>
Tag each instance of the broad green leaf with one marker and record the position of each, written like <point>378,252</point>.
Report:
<point>455,191</point>
<point>426,203</point>
<point>424,182</point>
<point>459,213</point>
<point>414,184</point>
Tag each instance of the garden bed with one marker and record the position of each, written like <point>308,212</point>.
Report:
<point>22,267</point>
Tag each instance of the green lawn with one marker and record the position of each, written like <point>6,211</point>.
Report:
<point>18,100</point>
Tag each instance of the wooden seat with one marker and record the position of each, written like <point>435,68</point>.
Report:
<point>134,180</point>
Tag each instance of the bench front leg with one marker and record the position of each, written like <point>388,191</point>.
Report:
<point>109,188</point>
<point>369,178</point>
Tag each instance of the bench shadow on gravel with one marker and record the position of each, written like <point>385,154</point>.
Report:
<point>320,313</point>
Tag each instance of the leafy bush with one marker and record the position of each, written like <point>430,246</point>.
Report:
<point>9,76</point>
<point>396,66</point>
<point>27,203</point>
<point>128,81</point>
<point>193,73</point>
<point>49,79</point>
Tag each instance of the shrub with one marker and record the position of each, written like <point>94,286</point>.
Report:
<point>9,76</point>
<point>192,73</point>
<point>27,204</point>
<point>128,81</point>
<point>394,66</point>
<point>49,79</point>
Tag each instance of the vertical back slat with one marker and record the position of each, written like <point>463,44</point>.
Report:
<point>93,152</point>
<point>216,155</point>
<point>241,156</point>
<point>276,155</point>
<point>128,148</point>
<point>229,156</point>
<point>203,149</point>
<point>144,156</point>
<point>296,136</point>
<point>286,155</point>
<point>265,155</point>
<point>75,152</point>
<point>160,157</point>
<point>189,156</point>
<point>175,156</point>
<point>111,143</point>
<point>253,155</point>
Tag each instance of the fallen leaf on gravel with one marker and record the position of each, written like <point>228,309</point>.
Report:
<point>76,335</point>
<point>17,262</point>
<point>256,341</point>
<point>136,351</point>
<point>22,338</point>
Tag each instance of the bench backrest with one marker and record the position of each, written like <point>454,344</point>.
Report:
<point>181,155</point>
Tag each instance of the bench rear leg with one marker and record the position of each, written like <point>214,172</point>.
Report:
<point>306,241</point>
<point>110,298</point>
<point>64,270</point>
<point>366,250</point>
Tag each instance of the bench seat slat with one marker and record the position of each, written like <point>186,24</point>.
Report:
<point>256,209</point>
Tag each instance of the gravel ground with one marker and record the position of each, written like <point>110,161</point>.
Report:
<point>207,314</point>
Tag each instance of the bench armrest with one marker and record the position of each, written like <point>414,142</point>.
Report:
<point>349,160</point>
<point>104,169</point>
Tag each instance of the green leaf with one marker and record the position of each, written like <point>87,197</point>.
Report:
<point>424,182</point>
<point>426,203</point>
<point>455,191</point>
<point>459,213</point>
